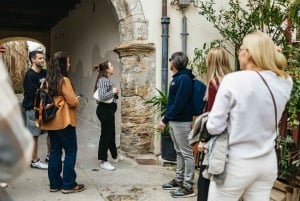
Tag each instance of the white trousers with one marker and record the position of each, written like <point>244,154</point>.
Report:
<point>251,178</point>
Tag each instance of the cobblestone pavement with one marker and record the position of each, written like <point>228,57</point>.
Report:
<point>136,178</point>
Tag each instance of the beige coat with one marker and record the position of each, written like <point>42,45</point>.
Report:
<point>67,105</point>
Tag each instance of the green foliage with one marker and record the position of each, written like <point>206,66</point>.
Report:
<point>293,106</point>
<point>277,18</point>
<point>238,20</point>
<point>289,155</point>
<point>159,104</point>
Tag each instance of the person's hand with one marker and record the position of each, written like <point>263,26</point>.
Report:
<point>161,126</point>
<point>115,90</point>
<point>201,146</point>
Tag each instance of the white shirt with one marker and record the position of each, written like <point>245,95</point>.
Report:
<point>244,105</point>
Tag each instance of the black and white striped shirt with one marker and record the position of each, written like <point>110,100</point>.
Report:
<point>105,90</point>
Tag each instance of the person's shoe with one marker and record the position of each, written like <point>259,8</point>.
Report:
<point>47,159</point>
<point>3,185</point>
<point>172,185</point>
<point>118,159</point>
<point>53,190</point>
<point>75,189</point>
<point>39,165</point>
<point>183,193</point>
<point>107,166</point>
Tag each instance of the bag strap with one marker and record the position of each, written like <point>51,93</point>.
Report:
<point>274,102</point>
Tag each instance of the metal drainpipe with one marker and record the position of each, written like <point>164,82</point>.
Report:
<point>165,21</point>
<point>184,35</point>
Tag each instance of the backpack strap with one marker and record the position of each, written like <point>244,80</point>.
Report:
<point>38,104</point>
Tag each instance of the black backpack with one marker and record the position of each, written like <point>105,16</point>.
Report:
<point>44,106</point>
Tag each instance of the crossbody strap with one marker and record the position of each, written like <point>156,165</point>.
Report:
<point>274,103</point>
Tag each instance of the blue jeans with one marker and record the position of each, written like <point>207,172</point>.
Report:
<point>62,139</point>
<point>185,167</point>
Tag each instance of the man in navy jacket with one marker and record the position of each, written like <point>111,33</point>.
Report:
<point>179,116</point>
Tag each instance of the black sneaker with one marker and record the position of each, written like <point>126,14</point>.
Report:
<point>172,185</point>
<point>183,193</point>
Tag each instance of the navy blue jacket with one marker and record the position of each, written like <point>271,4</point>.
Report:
<point>180,106</point>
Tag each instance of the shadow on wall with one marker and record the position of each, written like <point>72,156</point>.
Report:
<point>80,84</point>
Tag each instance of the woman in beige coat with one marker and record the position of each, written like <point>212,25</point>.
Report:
<point>62,129</point>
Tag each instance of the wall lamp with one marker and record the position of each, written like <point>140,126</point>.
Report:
<point>186,3</point>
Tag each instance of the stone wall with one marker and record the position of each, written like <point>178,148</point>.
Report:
<point>137,79</point>
<point>15,59</point>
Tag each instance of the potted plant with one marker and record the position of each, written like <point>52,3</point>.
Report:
<point>159,104</point>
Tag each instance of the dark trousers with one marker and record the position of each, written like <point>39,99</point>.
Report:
<point>62,139</point>
<point>106,114</point>
<point>203,183</point>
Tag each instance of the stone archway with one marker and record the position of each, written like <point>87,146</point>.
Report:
<point>16,59</point>
<point>137,62</point>
<point>40,37</point>
<point>137,73</point>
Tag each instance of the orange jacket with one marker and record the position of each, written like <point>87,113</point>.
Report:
<point>66,114</point>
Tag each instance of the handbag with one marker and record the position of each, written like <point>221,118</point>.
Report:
<point>96,95</point>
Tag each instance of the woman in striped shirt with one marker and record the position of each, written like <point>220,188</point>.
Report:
<point>107,106</point>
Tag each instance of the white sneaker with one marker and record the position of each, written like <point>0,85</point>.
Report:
<point>3,185</point>
<point>39,165</point>
<point>107,166</point>
<point>118,159</point>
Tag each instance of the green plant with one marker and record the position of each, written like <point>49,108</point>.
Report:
<point>293,106</point>
<point>159,104</point>
<point>289,155</point>
<point>277,18</point>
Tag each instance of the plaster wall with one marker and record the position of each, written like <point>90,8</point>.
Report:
<point>89,34</point>
<point>198,28</point>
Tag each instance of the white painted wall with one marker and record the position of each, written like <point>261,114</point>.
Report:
<point>198,28</point>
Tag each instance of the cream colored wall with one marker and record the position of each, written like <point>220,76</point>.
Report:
<point>198,28</point>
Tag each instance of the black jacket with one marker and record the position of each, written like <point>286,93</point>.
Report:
<point>31,83</point>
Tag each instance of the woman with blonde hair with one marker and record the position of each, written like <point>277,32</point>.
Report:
<point>247,104</point>
<point>218,66</point>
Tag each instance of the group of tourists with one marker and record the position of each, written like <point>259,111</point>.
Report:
<point>246,105</point>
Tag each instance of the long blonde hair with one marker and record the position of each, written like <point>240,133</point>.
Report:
<point>263,53</point>
<point>218,66</point>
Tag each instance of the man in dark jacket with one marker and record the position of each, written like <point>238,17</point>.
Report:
<point>179,116</point>
<point>32,81</point>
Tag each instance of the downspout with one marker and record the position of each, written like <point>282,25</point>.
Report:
<point>184,35</point>
<point>165,21</point>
